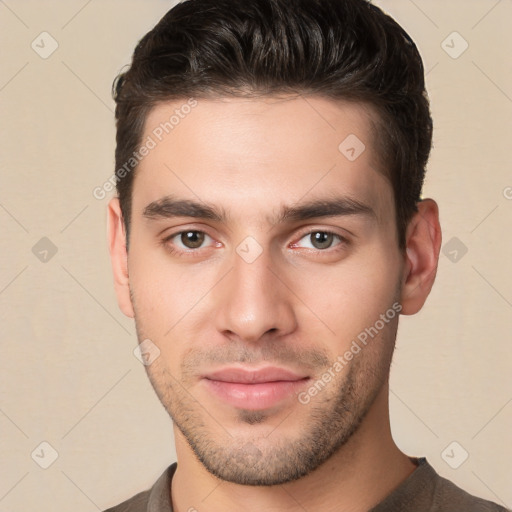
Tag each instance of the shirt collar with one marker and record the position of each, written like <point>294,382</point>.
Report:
<point>160,496</point>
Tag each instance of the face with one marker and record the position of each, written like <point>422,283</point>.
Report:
<point>262,246</point>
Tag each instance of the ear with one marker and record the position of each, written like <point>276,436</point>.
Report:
<point>119,256</point>
<point>423,243</point>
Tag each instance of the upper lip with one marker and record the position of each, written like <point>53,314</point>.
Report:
<point>253,376</point>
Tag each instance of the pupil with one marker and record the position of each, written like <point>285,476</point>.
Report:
<point>192,239</point>
<point>322,240</point>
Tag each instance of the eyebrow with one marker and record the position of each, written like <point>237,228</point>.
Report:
<point>169,207</point>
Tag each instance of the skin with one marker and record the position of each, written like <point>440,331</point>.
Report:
<point>298,305</point>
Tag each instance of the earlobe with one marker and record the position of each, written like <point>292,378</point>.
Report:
<point>423,243</point>
<point>119,256</point>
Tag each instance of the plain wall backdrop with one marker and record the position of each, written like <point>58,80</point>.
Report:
<point>68,372</point>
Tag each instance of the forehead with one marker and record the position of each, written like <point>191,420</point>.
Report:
<point>260,153</point>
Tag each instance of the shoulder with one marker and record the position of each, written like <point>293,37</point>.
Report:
<point>426,491</point>
<point>447,494</point>
<point>156,499</point>
<point>137,503</point>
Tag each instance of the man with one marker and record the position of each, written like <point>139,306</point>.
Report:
<point>268,232</point>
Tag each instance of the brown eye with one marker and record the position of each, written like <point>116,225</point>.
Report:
<point>192,239</point>
<point>189,243</point>
<point>322,240</point>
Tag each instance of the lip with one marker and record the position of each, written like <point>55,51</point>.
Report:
<point>254,376</point>
<point>254,389</point>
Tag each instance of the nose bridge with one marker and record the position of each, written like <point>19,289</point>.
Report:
<point>253,300</point>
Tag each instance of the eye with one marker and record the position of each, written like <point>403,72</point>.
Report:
<point>187,240</point>
<point>322,240</point>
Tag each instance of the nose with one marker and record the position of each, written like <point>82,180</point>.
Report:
<point>253,301</point>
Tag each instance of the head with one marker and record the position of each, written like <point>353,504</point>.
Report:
<point>268,217</point>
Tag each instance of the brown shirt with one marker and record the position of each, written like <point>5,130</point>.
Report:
<point>423,491</point>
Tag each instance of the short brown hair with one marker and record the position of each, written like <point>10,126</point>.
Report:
<point>337,49</point>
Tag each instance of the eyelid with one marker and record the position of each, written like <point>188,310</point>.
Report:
<point>343,239</point>
<point>167,239</point>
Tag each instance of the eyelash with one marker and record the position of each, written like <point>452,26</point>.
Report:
<point>192,252</point>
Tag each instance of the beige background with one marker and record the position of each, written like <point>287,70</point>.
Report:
<point>69,376</point>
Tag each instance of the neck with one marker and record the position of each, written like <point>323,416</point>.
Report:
<point>358,477</point>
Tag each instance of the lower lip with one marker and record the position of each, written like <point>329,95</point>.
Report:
<point>255,396</point>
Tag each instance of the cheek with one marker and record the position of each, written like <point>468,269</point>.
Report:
<point>350,296</point>
<point>158,283</point>
<point>168,298</point>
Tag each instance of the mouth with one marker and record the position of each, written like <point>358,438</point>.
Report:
<point>251,389</point>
